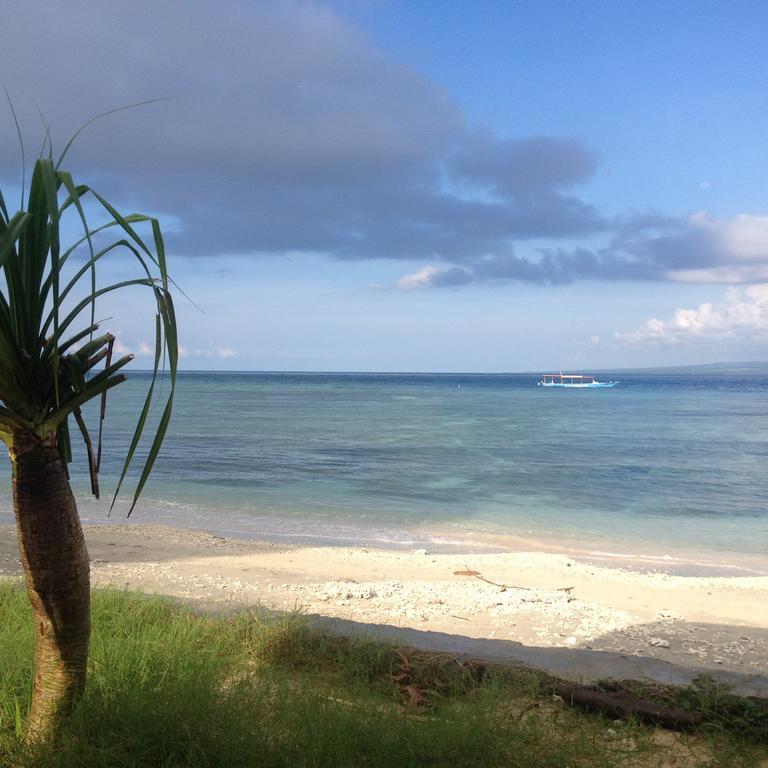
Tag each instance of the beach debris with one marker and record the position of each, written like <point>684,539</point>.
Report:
<point>413,695</point>
<point>665,615</point>
<point>346,590</point>
<point>658,642</point>
<point>424,678</point>
<point>504,587</point>
<point>625,705</point>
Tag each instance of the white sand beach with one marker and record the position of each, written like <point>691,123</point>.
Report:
<point>540,600</point>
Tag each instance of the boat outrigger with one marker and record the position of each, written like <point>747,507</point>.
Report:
<point>573,380</point>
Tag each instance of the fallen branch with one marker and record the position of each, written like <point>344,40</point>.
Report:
<point>504,587</point>
<point>623,704</point>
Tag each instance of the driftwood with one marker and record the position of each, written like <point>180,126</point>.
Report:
<point>504,587</point>
<point>624,704</point>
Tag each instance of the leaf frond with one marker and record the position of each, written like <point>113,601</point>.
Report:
<point>53,360</point>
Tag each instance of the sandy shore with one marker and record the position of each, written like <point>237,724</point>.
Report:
<point>541,600</point>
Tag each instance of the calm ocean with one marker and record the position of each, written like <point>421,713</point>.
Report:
<point>661,465</point>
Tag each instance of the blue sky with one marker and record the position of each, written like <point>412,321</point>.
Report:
<point>669,94</point>
<point>445,186</point>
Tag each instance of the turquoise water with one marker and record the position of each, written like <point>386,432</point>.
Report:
<point>657,465</point>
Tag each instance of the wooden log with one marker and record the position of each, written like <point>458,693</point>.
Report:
<point>625,705</point>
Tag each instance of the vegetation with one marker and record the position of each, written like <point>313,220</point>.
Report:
<point>172,688</point>
<point>50,347</point>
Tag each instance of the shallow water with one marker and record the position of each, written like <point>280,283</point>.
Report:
<point>659,465</point>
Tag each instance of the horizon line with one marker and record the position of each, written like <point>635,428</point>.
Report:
<point>531,372</point>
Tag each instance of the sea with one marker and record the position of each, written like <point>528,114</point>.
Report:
<point>663,471</point>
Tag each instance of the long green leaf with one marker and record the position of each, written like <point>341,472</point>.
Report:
<point>133,218</point>
<point>74,196</point>
<point>102,115</point>
<point>138,431</point>
<point>21,144</point>
<point>169,323</point>
<point>103,406</point>
<point>51,186</point>
<point>3,210</point>
<point>72,316</point>
<point>155,259</point>
<point>12,233</point>
<point>92,468</point>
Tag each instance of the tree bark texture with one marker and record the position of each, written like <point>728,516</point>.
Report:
<point>57,573</point>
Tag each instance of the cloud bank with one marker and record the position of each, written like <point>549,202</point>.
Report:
<point>742,316</point>
<point>291,132</point>
<point>696,249</point>
<point>212,350</point>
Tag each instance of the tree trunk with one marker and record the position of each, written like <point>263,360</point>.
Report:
<point>56,568</point>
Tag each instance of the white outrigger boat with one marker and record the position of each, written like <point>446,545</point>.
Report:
<point>575,381</point>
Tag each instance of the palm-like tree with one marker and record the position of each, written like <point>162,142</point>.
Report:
<point>53,360</point>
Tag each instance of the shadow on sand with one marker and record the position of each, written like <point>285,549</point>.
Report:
<point>576,664</point>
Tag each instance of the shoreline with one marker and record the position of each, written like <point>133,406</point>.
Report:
<point>689,547</point>
<point>457,539</point>
<point>524,601</point>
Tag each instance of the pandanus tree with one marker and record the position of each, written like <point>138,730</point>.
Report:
<point>54,358</point>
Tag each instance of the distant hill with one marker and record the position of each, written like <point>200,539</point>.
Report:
<point>757,368</point>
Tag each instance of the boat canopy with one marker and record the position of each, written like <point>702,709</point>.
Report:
<point>567,378</point>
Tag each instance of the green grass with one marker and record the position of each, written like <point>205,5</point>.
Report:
<point>171,688</point>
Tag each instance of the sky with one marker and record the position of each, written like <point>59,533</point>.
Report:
<point>382,185</point>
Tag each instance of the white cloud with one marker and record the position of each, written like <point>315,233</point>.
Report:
<point>120,348</point>
<point>146,350</point>
<point>743,315</point>
<point>213,350</point>
<point>421,279</point>
<point>225,352</point>
<point>743,237</point>
<point>731,275</point>
<point>430,276</point>
<point>728,251</point>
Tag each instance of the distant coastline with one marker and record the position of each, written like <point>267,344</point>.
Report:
<point>755,367</point>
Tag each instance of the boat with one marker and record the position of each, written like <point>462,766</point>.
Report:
<point>575,381</point>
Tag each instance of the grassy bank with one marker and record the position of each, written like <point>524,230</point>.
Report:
<point>171,688</point>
